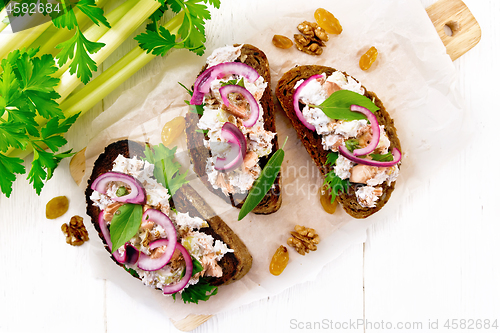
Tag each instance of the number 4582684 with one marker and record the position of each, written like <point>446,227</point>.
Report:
<point>32,8</point>
<point>470,324</point>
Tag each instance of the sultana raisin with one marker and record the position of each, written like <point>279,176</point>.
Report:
<point>56,207</point>
<point>279,261</point>
<point>282,42</point>
<point>325,198</point>
<point>327,21</point>
<point>172,130</point>
<point>367,59</point>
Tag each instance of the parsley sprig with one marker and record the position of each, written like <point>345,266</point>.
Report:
<point>26,92</point>
<point>191,34</point>
<point>333,181</point>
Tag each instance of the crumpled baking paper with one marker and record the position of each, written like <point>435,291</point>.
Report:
<point>413,76</point>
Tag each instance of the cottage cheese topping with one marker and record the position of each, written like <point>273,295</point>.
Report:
<point>335,132</point>
<point>259,141</point>
<point>200,245</point>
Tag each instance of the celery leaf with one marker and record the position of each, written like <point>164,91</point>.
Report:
<point>158,43</point>
<point>79,47</point>
<point>9,167</point>
<point>96,14</point>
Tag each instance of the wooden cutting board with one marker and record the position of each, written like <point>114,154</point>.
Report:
<point>455,25</point>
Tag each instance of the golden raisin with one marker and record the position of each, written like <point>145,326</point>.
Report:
<point>367,59</point>
<point>325,197</point>
<point>172,130</point>
<point>56,207</point>
<point>327,21</point>
<point>279,261</point>
<point>282,42</point>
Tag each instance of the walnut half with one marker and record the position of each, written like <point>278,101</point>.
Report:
<point>75,231</point>
<point>307,45</point>
<point>303,239</point>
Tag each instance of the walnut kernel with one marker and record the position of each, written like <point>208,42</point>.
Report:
<point>303,239</point>
<point>307,45</point>
<point>75,231</point>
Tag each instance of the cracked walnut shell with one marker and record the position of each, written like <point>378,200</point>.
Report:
<point>303,239</point>
<point>75,231</point>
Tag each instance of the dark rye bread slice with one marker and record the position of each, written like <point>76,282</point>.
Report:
<point>234,265</point>
<point>199,154</point>
<point>312,141</point>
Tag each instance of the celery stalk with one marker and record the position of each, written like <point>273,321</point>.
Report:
<point>16,41</point>
<point>95,32</point>
<point>106,82</point>
<point>114,76</point>
<point>3,16</point>
<point>113,38</point>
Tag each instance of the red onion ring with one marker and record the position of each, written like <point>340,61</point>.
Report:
<point>375,131</point>
<point>238,150</point>
<point>202,84</point>
<point>296,94</point>
<point>137,194</point>
<point>146,263</point>
<point>164,221</point>
<point>347,154</point>
<point>178,286</point>
<point>254,106</point>
<point>129,256</point>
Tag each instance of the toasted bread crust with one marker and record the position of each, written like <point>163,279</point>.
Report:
<point>312,141</point>
<point>199,154</point>
<point>234,265</point>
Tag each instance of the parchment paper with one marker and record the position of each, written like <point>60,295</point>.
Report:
<point>413,77</point>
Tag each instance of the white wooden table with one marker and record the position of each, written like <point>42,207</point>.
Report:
<point>437,259</point>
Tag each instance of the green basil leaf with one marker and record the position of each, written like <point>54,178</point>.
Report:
<point>125,224</point>
<point>382,157</point>
<point>264,183</point>
<point>338,105</point>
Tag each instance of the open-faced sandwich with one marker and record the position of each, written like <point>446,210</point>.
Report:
<point>231,131</point>
<point>157,227</point>
<point>348,133</point>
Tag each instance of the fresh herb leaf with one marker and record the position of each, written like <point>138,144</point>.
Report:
<point>192,108</point>
<point>197,266</point>
<point>264,183</point>
<point>351,144</point>
<point>156,42</point>
<point>96,14</point>
<point>122,191</point>
<point>240,83</point>
<point>338,105</point>
<point>132,272</point>
<point>201,291</point>
<point>201,131</point>
<point>78,49</point>
<point>167,170</point>
<point>191,33</point>
<point>382,157</point>
<point>331,158</point>
<point>125,224</point>
<point>9,167</point>
<point>66,20</point>
<point>336,184</point>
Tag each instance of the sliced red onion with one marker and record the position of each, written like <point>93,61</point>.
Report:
<point>129,256</point>
<point>375,131</point>
<point>296,101</point>
<point>197,98</point>
<point>178,286</point>
<point>254,106</point>
<point>347,154</point>
<point>238,149</point>
<point>137,194</point>
<point>202,84</point>
<point>145,262</point>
